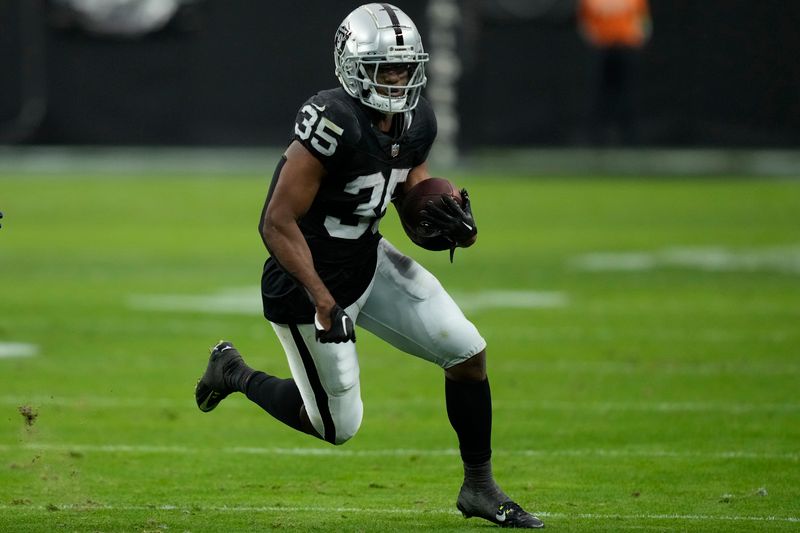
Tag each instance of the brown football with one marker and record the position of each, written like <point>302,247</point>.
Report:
<point>415,200</point>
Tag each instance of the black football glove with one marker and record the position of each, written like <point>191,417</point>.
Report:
<point>453,221</point>
<point>342,329</point>
<point>1,216</point>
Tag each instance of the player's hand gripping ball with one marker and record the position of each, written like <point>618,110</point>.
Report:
<point>436,216</point>
<point>413,208</point>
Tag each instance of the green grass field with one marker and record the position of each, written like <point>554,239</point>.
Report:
<point>644,354</point>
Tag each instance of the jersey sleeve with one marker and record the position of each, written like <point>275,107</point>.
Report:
<point>325,128</point>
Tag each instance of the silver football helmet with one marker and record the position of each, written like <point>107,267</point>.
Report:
<point>375,38</point>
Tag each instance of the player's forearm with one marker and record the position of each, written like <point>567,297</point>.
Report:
<point>287,245</point>
<point>417,174</point>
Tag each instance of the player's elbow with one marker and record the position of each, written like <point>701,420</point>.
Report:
<point>266,231</point>
<point>272,225</point>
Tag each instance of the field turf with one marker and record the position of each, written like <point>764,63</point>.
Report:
<point>644,357</point>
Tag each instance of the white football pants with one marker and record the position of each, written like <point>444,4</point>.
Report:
<point>406,306</point>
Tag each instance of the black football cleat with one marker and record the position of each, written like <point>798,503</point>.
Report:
<point>226,373</point>
<point>507,514</point>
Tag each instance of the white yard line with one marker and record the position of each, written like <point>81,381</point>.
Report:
<point>510,299</point>
<point>247,301</point>
<point>395,452</point>
<point>720,258</point>
<point>393,511</point>
<point>9,350</point>
<point>656,407</point>
<point>550,333</point>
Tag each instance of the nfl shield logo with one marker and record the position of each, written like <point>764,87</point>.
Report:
<point>395,150</point>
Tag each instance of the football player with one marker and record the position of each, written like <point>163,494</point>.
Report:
<point>353,150</point>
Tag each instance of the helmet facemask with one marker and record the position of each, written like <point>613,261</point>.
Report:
<point>378,92</point>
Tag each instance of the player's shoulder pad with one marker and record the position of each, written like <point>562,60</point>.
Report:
<point>327,121</point>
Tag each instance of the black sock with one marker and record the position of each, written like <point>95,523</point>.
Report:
<point>469,408</point>
<point>279,397</point>
<point>479,478</point>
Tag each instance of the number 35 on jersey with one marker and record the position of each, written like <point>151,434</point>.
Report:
<point>325,134</point>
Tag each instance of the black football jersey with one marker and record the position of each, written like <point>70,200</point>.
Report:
<point>365,168</point>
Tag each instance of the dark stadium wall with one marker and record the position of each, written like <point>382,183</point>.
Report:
<point>234,72</point>
<point>715,73</point>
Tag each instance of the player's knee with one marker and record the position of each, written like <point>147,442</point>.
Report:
<point>347,411</point>
<point>471,370</point>
<point>348,423</point>
<point>345,432</point>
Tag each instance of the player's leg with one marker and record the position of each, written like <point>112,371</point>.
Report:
<point>280,398</point>
<point>326,377</point>
<point>410,309</point>
<point>469,408</point>
<point>323,398</point>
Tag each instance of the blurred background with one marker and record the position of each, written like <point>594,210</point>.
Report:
<point>719,77</point>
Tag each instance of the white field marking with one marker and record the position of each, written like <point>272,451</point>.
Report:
<point>393,511</point>
<point>10,350</point>
<point>397,452</point>
<point>655,407</point>
<point>505,299</point>
<point>660,368</point>
<point>714,258</point>
<point>240,301</point>
<point>705,335</point>
<point>247,301</point>
<point>702,308</point>
<point>101,402</point>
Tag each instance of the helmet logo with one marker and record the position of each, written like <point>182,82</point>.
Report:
<point>342,35</point>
